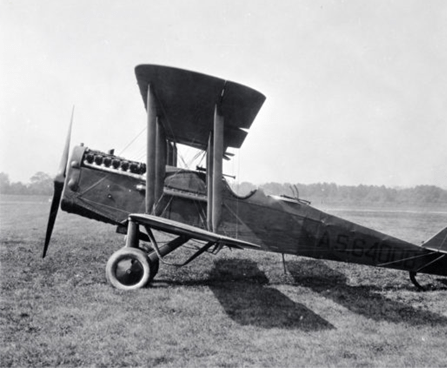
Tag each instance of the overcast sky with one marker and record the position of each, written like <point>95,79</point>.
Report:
<point>356,90</point>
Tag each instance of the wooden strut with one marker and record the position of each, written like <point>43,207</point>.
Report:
<point>214,170</point>
<point>156,154</point>
<point>151,150</point>
<point>160,161</point>
<point>209,183</point>
<point>218,151</point>
<point>171,154</point>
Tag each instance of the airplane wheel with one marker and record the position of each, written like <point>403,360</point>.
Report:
<point>129,269</point>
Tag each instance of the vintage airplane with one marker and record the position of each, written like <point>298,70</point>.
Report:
<point>210,114</point>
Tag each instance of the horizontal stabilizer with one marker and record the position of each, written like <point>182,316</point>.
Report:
<point>437,243</point>
<point>178,228</point>
<point>185,103</point>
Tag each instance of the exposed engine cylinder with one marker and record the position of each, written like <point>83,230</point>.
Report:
<point>101,160</point>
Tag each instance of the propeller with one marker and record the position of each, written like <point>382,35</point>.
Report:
<point>59,181</point>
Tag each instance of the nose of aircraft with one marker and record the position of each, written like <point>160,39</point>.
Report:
<point>59,181</point>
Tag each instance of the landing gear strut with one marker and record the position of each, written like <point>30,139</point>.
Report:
<point>134,266</point>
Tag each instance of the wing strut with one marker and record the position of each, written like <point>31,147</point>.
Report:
<point>160,161</point>
<point>156,154</point>
<point>171,153</point>
<point>218,151</point>
<point>215,154</point>
<point>209,181</point>
<point>151,150</point>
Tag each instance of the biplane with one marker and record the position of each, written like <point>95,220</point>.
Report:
<point>146,199</point>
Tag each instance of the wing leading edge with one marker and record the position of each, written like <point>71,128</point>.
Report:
<point>178,228</point>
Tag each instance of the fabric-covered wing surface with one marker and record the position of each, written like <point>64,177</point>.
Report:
<point>186,101</point>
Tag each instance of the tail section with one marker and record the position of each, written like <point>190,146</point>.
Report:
<point>438,242</point>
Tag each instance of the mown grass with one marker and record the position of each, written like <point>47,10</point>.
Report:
<point>236,309</point>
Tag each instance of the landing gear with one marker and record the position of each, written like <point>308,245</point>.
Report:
<point>414,281</point>
<point>429,282</point>
<point>135,265</point>
<point>130,269</point>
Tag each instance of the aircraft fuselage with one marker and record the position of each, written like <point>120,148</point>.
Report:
<point>108,188</point>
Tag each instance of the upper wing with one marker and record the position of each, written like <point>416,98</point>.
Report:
<point>178,228</point>
<point>185,102</point>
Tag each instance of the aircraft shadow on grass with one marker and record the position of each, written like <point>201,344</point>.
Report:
<point>247,299</point>
<point>243,291</point>
<point>362,300</point>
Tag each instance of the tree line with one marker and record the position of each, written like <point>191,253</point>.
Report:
<point>42,184</point>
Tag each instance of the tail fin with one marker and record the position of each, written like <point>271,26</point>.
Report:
<point>438,242</point>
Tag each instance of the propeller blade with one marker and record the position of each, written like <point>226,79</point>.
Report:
<point>59,181</point>
<point>60,177</point>
<point>58,188</point>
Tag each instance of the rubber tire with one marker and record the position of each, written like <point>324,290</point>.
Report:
<point>132,254</point>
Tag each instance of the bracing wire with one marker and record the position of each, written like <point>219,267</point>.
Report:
<point>133,140</point>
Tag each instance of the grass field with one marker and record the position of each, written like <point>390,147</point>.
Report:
<point>236,309</point>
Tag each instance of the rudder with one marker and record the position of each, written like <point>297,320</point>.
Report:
<point>438,242</point>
